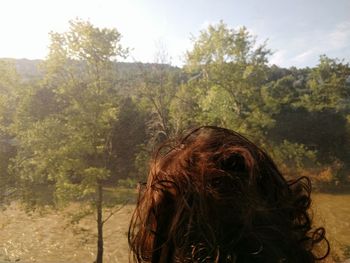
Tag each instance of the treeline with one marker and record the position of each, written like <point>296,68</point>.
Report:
<point>86,122</point>
<point>301,116</point>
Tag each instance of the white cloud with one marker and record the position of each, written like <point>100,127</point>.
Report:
<point>305,56</point>
<point>340,37</point>
<point>306,48</point>
<point>278,57</point>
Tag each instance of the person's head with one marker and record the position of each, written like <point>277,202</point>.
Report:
<point>214,196</point>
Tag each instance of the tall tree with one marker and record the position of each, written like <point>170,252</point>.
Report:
<point>70,145</point>
<point>231,72</point>
<point>328,86</point>
<point>157,87</point>
<point>9,88</point>
<point>230,85</point>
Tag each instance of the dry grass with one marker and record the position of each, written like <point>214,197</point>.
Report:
<point>333,212</point>
<point>49,238</point>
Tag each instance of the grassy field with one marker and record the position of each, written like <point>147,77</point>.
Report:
<point>333,212</point>
<point>50,238</point>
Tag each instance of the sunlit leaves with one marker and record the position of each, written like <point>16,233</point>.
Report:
<point>231,71</point>
<point>327,86</point>
<point>64,124</point>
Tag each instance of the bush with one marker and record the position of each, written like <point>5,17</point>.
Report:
<point>127,183</point>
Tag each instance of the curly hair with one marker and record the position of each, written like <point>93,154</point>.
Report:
<point>214,196</point>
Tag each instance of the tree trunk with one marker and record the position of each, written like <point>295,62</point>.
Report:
<point>99,258</point>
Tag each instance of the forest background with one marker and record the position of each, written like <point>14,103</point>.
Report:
<point>79,125</point>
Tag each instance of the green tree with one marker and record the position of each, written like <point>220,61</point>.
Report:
<point>157,87</point>
<point>9,87</point>
<point>69,145</point>
<point>328,86</point>
<point>231,70</point>
<point>132,120</point>
<point>184,109</point>
<point>230,84</point>
<point>314,104</point>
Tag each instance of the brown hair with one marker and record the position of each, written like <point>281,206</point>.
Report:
<point>214,196</point>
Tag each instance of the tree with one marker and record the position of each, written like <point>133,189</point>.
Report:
<point>231,72</point>
<point>9,88</point>
<point>132,120</point>
<point>328,86</point>
<point>68,143</point>
<point>230,84</point>
<point>157,87</point>
<point>317,108</point>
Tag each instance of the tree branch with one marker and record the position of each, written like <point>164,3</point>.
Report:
<point>115,211</point>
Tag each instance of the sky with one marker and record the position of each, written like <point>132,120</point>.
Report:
<point>297,31</point>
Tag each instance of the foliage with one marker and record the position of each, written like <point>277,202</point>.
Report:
<point>293,155</point>
<point>328,86</point>
<point>69,145</point>
<point>86,121</point>
<point>128,133</point>
<point>9,88</point>
<point>231,71</point>
<point>127,183</point>
<point>156,90</point>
